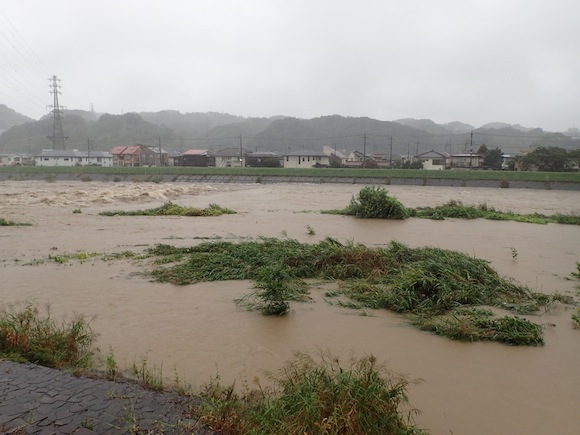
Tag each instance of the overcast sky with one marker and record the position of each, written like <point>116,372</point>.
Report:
<point>446,60</point>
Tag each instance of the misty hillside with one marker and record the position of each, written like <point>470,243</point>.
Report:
<point>10,118</point>
<point>215,131</point>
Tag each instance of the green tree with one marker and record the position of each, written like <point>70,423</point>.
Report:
<point>551,159</point>
<point>482,150</point>
<point>493,159</point>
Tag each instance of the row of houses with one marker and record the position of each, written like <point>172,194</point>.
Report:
<point>148,156</point>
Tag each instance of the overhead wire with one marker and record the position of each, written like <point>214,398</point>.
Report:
<point>22,68</point>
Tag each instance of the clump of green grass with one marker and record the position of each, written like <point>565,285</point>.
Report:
<point>474,324</point>
<point>275,287</point>
<point>27,334</point>
<point>170,209</point>
<point>149,377</point>
<point>456,209</point>
<point>7,223</point>
<point>426,282</point>
<point>375,203</point>
<point>308,396</point>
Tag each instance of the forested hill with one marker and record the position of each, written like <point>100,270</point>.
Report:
<point>10,118</point>
<point>215,131</point>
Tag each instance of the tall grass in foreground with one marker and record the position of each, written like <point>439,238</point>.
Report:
<point>314,397</point>
<point>426,283</point>
<point>27,334</point>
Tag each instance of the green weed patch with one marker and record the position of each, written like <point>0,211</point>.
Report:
<point>27,334</point>
<point>170,209</point>
<point>423,282</point>
<point>456,209</point>
<point>7,223</point>
<point>313,397</point>
<point>376,203</point>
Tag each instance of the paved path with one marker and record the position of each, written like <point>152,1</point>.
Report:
<point>40,400</point>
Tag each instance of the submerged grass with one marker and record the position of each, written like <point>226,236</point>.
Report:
<point>456,209</point>
<point>374,202</point>
<point>7,223</point>
<point>308,396</point>
<point>170,209</point>
<point>29,335</point>
<point>425,282</point>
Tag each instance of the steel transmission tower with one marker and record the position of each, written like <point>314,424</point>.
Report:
<point>57,137</point>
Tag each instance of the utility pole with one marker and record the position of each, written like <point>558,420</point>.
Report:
<point>88,151</point>
<point>57,136</point>
<point>160,161</point>
<point>417,149</point>
<point>471,149</point>
<point>364,149</point>
<point>391,154</point>
<point>241,156</point>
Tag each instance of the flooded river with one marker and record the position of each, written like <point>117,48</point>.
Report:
<point>467,388</point>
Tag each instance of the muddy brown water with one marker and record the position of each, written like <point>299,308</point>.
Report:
<point>467,388</point>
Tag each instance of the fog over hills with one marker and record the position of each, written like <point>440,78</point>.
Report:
<point>212,130</point>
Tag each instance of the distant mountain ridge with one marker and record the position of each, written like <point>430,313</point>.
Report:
<point>211,130</point>
<point>9,118</point>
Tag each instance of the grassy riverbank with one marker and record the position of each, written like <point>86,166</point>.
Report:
<point>307,395</point>
<point>321,173</point>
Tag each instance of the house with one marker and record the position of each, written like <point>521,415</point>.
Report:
<point>139,155</point>
<point>432,160</point>
<point>172,157</point>
<point>231,158</point>
<point>51,157</point>
<point>199,158</point>
<point>465,161</point>
<point>306,159</point>
<point>264,159</point>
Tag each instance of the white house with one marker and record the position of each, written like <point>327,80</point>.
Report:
<point>73,158</point>
<point>432,160</point>
<point>231,158</point>
<point>306,159</point>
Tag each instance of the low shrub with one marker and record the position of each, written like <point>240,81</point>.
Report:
<point>374,202</point>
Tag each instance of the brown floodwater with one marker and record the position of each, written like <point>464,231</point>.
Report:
<point>467,388</point>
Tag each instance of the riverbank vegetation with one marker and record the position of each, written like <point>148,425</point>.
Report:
<point>157,174</point>
<point>7,223</point>
<point>375,202</point>
<point>170,209</point>
<point>27,334</point>
<point>309,396</point>
<point>435,288</point>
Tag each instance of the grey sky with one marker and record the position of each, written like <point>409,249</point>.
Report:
<point>447,60</point>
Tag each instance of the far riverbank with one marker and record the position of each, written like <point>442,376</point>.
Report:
<point>157,176</point>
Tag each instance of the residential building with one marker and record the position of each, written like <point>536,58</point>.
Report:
<point>432,160</point>
<point>231,158</point>
<point>306,159</point>
<point>139,155</point>
<point>264,159</point>
<point>199,158</point>
<point>50,157</point>
<point>465,161</point>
